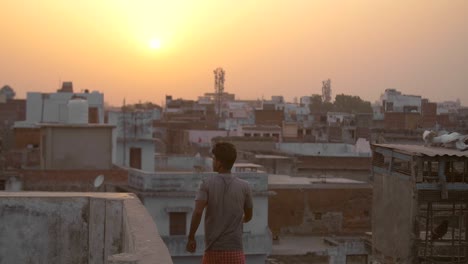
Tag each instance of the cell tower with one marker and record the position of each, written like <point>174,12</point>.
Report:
<point>326,91</point>
<point>219,87</point>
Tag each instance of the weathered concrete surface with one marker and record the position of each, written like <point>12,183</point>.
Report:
<point>394,209</point>
<point>76,146</point>
<point>346,250</point>
<point>140,237</point>
<point>40,227</point>
<point>44,230</point>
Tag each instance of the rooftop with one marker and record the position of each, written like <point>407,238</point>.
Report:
<point>58,227</point>
<point>74,125</point>
<point>262,156</point>
<point>419,150</point>
<point>285,181</point>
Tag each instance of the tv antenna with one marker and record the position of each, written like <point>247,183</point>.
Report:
<point>219,87</point>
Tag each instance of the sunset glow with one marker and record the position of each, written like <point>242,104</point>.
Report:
<point>156,47</point>
<point>155,44</point>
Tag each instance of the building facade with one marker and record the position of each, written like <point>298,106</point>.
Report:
<point>169,198</point>
<point>425,190</point>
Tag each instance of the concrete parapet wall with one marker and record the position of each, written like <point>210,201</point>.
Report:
<point>187,181</point>
<point>141,241</point>
<point>41,227</point>
<point>321,149</point>
<point>70,180</point>
<point>393,236</point>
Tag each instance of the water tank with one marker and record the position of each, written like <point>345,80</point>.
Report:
<point>78,111</point>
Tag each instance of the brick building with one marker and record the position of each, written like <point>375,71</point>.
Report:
<point>10,111</point>
<point>312,206</point>
<point>269,117</point>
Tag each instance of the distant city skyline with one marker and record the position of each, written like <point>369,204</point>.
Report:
<point>144,50</point>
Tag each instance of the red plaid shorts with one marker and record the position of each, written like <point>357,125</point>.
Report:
<point>223,257</point>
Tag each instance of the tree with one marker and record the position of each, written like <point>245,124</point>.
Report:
<point>317,105</point>
<point>8,92</point>
<point>351,104</point>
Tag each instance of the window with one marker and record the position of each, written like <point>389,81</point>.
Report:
<point>93,115</point>
<point>135,158</point>
<point>177,223</point>
<point>318,216</point>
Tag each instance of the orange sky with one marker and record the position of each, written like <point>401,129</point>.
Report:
<point>267,47</point>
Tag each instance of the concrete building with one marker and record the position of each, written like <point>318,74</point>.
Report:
<point>342,119</point>
<point>402,121</point>
<point>448,107</point>
<point>62,180</point>
<point>394,101</point>
<point>428,114</point>
<point>183,163</point>
<point>238,114</point>
<point>169,198</point>
<point>323,149</point>
<point>11,111</point>
<point>76,146</point>
<point>133,139</point>
<point>53,107</point>
<point>318,206</point>
<point>425,191</point>
<point>257,131</point>
<point>269,117</point>
<point>250,144</point>
<point>275,164</point>
<point>84,228</point>
<point>296,112</point>
<point>290,130</point>
<point>63,107</point>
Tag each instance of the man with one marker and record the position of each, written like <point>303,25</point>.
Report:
<point>228,202</point>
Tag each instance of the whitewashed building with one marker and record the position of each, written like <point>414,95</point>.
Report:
<point>55,108</point>
<point>169,198</point>
<point>448,107</point>
<point>394,101</point>
<point>134,145</point>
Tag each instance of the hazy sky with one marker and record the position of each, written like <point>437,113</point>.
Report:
<point>267,47</point>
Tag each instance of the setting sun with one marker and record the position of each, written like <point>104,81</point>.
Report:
<point>155,44</point>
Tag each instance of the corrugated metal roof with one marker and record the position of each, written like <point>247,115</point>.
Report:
<point>420,150</point>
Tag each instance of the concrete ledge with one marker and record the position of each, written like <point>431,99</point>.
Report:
<point>59,227</point>
<point>142,243</point>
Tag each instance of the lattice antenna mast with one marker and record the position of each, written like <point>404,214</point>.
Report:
<point>326,91</point>
<point>219,87</point>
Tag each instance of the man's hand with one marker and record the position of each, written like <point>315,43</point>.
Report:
<point>191,245</point>
<point>196,218</point>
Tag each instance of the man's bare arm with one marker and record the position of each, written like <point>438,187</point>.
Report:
<point>196,217</point>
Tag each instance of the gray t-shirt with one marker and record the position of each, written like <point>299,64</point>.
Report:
<point>226,197</point>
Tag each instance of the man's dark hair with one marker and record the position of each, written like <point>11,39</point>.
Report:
<point>225,153</point>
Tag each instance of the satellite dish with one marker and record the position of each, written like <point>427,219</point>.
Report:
<point>98,181</point>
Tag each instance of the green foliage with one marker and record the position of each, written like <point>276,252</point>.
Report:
<point>351,104</point>
<point>140,106</point>
<point>8,92</point>
<point>343,103</point>
<point>316,104</point>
